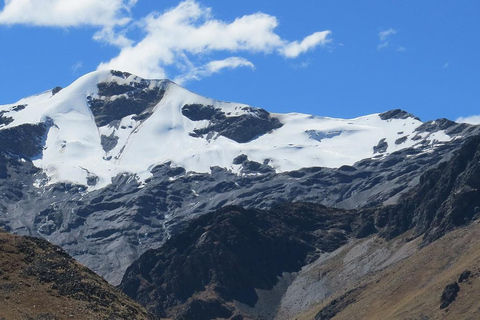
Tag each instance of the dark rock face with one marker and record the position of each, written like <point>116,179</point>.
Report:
<point>109,142</point>
<point>449,295</point>
<point>197,112</point>
<point>56,90</point>
<point>133,99</point>
<point>381,147</point>
<point>5,120</point>
<point>445,198</point>
<point>241,129</point>
<point>25,141</point>
<point>231,252</point>
<point>396,114</point>
<point>440,124</point>
<point>338,304</point>
<point>464,276</point>
<point>401,140</point>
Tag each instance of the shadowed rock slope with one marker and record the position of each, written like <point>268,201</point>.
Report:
<point>227,255</point>
<point>447,197</point>
<point>40,281</point>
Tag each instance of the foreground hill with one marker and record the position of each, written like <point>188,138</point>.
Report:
<point>40,281</point>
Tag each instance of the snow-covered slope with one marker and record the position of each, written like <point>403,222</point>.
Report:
<point>90,142</point>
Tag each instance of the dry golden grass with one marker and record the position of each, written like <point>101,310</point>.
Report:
<point>411,288</point>
<point>26,296</point>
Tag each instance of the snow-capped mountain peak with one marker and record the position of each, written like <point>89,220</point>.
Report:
<point>108,122</point>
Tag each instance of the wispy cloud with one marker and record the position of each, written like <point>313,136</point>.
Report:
<point>295,48</point>
<point>216,66</point>
<point>77,66</point>
<point>66,13</point>
<point>446,65</point>
<point>385,34</point>
<point>475,119</point>
<point>385,37</point>
<point>189,30</point>
<point>301,65</point>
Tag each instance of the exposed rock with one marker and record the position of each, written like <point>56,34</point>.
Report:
<point>464,276</point>
<point>133,99</point>
<point>242,128</point>
<point>230,253</point>
<point>401,140</point>
<point>56,90</point>
<point>197,112</point>
<point>449,295</point>
<point>439,124</point>
<point>397,114</point>
<point>445,198</point>
<point>338,304</point>
<point>381,147</point>
<point>19,107</point>
<point>240,159</point>
<point>109,142</point>
<point>25,140</point>
<point>318,135</point>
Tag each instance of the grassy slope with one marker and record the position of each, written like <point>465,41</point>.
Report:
<point>411,288</point>
<point>39,281</point>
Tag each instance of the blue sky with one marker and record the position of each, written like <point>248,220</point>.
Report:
<point>331,58</point>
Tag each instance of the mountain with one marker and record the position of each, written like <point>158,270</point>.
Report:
<point>40,281</point>
<point>109,123</point>
<point>114,165</point>
<point>307,261</point>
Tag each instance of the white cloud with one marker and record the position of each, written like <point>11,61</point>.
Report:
<point>189,31</point>
<point>186,39</point>
<point>384,37</point>
<point>383,45</point>
<point>66,13</point>
<point>470,119</point>
<point>108,35</point>
<point>385,34</point>
<point>197,73</point>
<point>295,48</point>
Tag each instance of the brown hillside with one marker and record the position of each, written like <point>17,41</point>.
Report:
<point>39,281</point>
<point>413,288</point>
